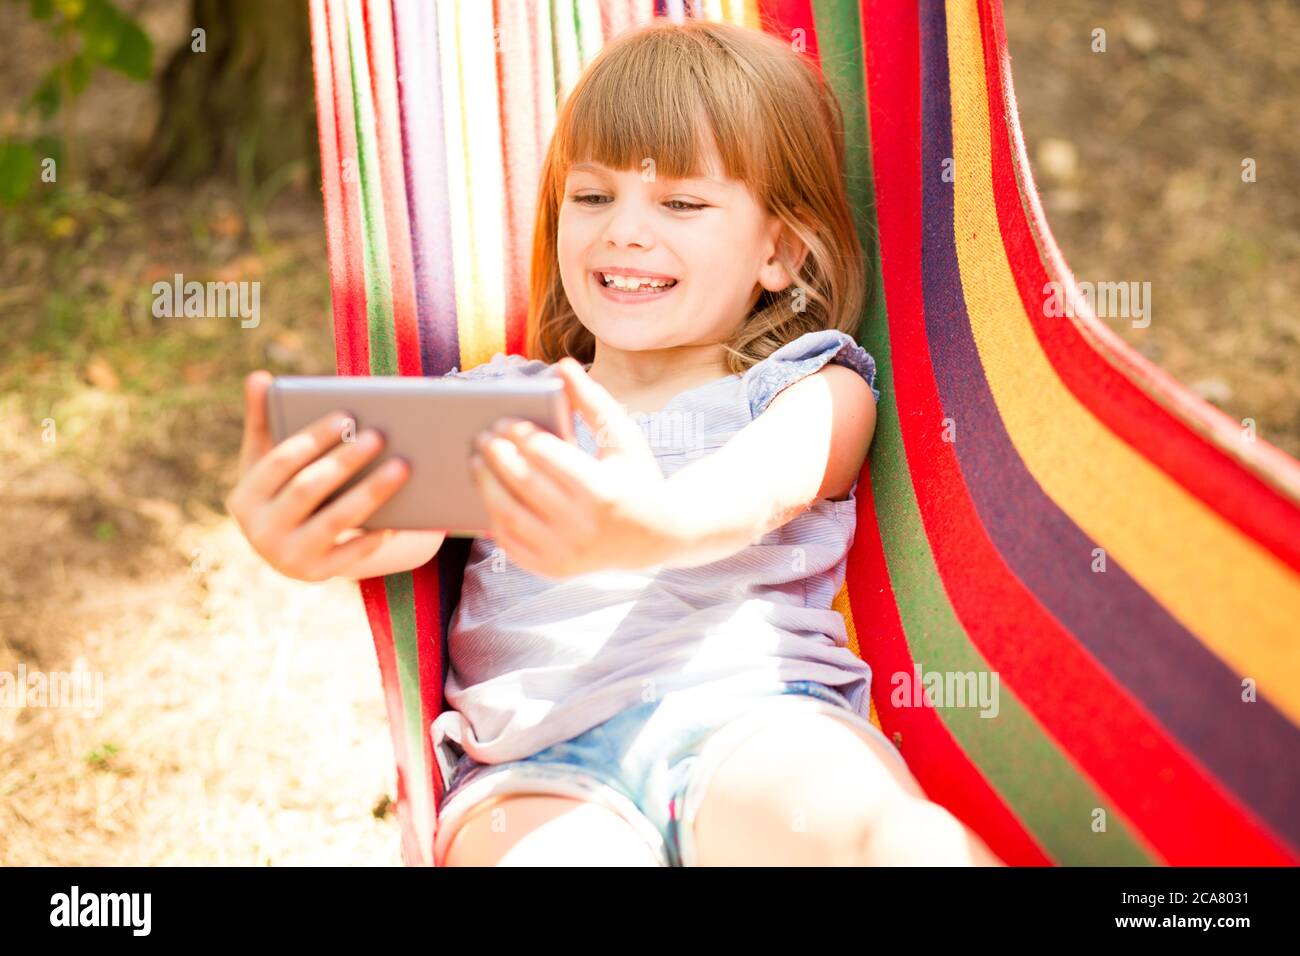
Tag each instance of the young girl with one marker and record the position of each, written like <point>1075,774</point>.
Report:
<point>645,666</point>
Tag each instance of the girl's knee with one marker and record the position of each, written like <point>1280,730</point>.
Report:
<point>917,832</point>
<point>805,791</point>
<point>546,830</point>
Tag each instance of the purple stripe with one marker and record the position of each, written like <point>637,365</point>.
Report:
<point>451,560</point>
<point>1160,663</point>
<point>424,151</point>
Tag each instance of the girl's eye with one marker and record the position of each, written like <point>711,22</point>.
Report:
<point>681,205</point>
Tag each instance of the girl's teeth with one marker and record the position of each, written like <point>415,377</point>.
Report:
<point>634,283</point>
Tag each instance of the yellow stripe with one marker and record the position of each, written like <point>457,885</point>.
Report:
<point>741,12</point>
<point>845,607</point>
<point>842,604</point>
<point>1241,601</point>
<point>875,717</point>
<point>473,129</point>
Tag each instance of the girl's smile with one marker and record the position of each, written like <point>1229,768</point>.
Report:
<point>628,296</point>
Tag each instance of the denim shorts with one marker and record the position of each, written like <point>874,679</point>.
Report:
<point>648,763</point>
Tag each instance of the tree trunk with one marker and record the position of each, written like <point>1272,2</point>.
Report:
<point>243,106</point>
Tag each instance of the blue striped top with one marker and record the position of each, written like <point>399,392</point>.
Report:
<point>535,661</point>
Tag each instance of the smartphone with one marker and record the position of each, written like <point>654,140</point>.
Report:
<point>432,423</point>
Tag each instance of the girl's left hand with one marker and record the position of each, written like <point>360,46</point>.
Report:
<point>558,512</point>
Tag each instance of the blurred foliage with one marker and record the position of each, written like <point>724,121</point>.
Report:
<point>104,36</point>
<point>245,110</point>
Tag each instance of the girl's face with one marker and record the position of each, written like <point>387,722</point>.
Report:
<point>709,238</point>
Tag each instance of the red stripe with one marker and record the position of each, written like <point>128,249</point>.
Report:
<point>338,145</point>
<point>428,621</point>
<point>1196,464</point>
<point>543,121</point>
<point>781,17</point>
<point>374,594</point>
<point>617,15</point>
<point>392,183</point>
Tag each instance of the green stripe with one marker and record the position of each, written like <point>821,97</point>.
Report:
<point>575,15</point>
<point>379,283</point>
<point>589,32</point>
<point>564,36</point>
<point>1040,784</point>
<point>400,591</point>
<point>545,76</point>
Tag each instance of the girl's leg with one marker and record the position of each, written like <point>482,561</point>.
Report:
<point>814,790</point>
<point>921,833</point>
<point>528,829</point>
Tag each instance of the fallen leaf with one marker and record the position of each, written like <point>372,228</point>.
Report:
<point>1059,158</point>
<point>199,373</point>
<point>244,269</point>
<point>100,374</point>
<point>1141,34</point>
<point>227,223</point>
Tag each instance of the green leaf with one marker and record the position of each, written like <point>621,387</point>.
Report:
<point>78,72</point>
<point>18,169</point>
<point>42,9</point>
<point>114,39</point>
<point>47,96</point>
<point>134,53</point>
<point>48,145</point>
<point>99,24</point>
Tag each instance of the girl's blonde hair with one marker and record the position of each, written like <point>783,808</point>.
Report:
<point>778,128</point>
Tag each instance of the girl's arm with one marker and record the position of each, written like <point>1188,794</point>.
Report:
<point>810,443</point>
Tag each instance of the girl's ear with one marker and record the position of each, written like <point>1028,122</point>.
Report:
<point>784,245</point>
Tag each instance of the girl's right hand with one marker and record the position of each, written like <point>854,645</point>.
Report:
<point>281,486</point>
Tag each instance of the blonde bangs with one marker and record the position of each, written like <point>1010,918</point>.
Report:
<point>652,105</point>
<point>648,102</point>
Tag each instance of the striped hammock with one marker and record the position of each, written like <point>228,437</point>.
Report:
<point>1122,558</point>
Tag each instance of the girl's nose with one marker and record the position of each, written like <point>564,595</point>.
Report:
<point>628,224</point>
